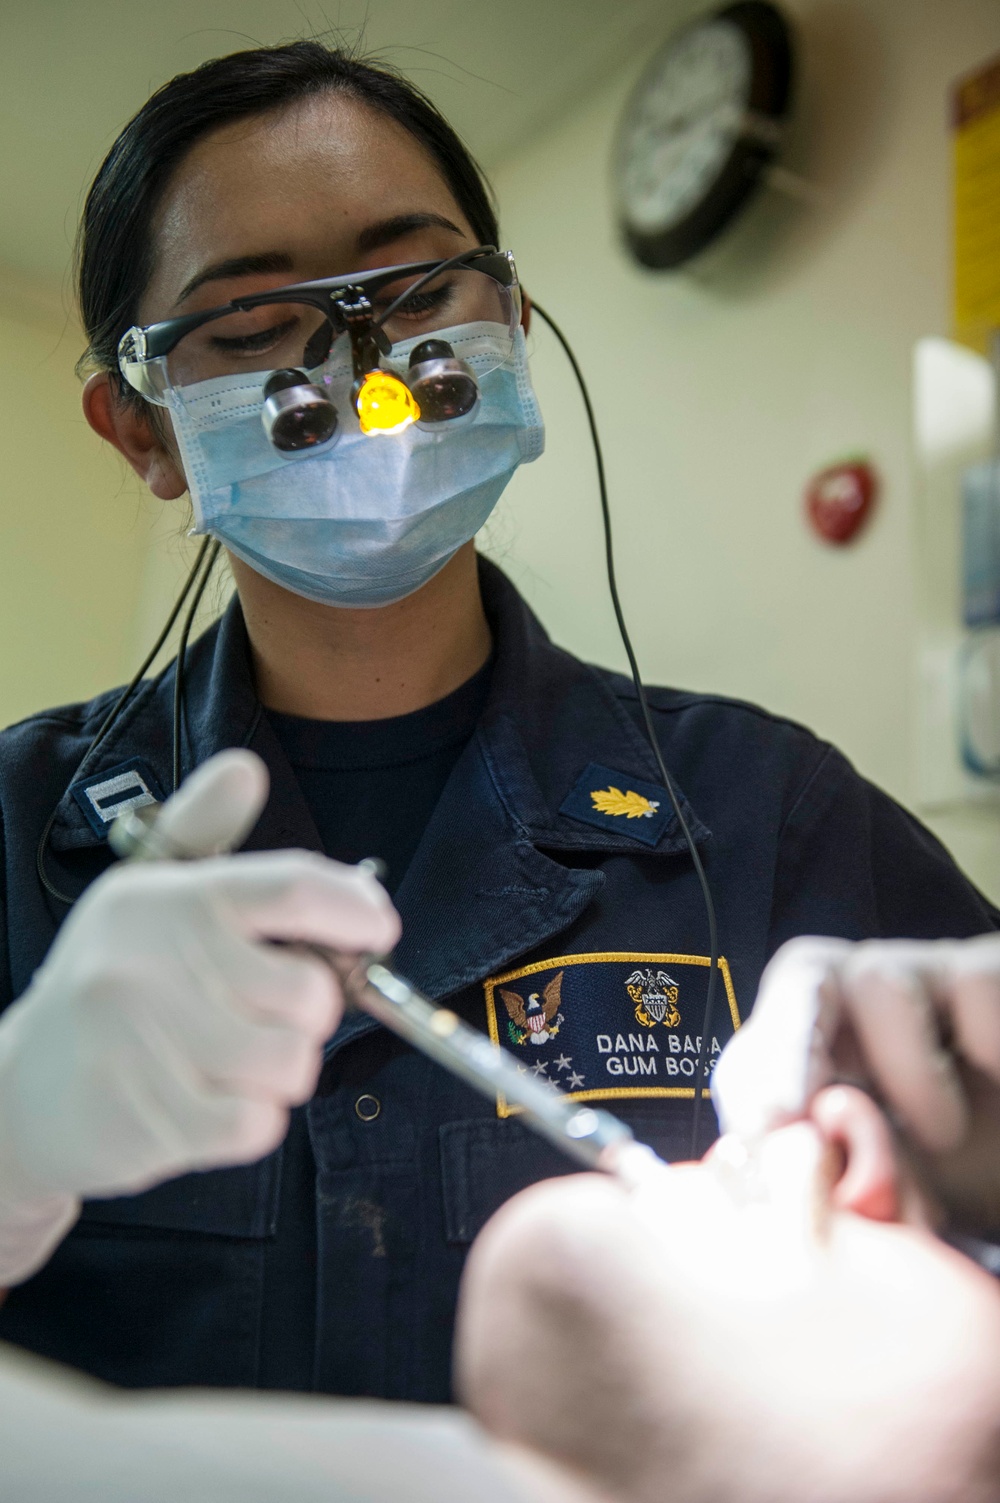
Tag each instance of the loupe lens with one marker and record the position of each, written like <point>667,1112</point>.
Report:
<point>303,428</point>
<point>296,414</point>
<point>445,388</point>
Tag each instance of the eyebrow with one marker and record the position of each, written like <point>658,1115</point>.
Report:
<point>388,230</point>
<point>237,266</point>
<point>385,232</point>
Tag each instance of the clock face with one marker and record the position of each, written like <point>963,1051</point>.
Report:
<point>682,125</point>
<point>700,130</point>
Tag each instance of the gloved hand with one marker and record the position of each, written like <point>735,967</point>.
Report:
<point>918,1024</point>
<point>163,1034</point>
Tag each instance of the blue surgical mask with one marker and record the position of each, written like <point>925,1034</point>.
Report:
<point>372,517</point>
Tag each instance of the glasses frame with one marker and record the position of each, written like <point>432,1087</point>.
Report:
<point>141,345</point>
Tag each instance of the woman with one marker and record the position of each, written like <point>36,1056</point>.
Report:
<point>408,706</point>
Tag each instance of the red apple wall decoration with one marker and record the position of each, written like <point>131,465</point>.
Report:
<point>840,498</point>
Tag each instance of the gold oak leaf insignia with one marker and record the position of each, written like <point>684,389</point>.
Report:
<point>612,801</point>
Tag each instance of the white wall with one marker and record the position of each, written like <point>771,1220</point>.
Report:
<point>76,532</point>
<point>90,561</point>
<point>722,389</point>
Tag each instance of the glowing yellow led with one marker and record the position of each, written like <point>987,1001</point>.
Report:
<point>385,404</point>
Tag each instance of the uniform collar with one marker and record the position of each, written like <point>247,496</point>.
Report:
<point>486,885</point>
<point>547,717</point>
<point>221,710</point>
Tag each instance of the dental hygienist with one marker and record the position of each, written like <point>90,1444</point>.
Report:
<point>300,312</point>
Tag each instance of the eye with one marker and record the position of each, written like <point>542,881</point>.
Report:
<point>428,300</point>
<point>253,344</point>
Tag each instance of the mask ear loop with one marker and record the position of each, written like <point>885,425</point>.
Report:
<point>113,714</point>
<point>706,891</point>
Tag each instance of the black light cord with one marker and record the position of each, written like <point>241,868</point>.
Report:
<point>113,715</point>
<point>181,659</point>
<point>706,892</point>
<point>428,276</point>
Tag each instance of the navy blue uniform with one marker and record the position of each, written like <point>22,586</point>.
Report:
<point>551,900</point>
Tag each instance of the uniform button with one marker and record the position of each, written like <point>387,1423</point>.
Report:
<point>367,1108</point>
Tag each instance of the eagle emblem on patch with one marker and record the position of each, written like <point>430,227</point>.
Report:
<point>536,1019</point>
<point>630,805</point>
<point>654,995</point>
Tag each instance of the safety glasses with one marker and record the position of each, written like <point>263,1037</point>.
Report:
<point>296,327</point>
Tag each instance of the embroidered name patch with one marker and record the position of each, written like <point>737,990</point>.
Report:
<point>130,785</point>
<point>601,1027</point>
<point>612,800</point>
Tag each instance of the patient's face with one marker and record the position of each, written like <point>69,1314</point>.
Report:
<point>783,1326</point>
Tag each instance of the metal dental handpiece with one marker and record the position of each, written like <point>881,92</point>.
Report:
<point>594,1138</point>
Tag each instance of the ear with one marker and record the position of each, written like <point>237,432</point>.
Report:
<point>869,1181</point>
<point>525,312</point>
<point>129,429</point>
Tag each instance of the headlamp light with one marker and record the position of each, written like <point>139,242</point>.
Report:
<point>384,403</point>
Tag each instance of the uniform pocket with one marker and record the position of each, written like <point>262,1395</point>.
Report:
<point>157,1290</point>
<point>486,1161</point>
<point>240,1202</point>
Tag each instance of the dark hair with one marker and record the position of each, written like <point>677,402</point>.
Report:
<point>114,248</point>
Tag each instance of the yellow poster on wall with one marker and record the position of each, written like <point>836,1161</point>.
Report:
<point>976,123</point>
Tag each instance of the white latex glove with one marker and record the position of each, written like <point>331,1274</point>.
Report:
<point>162,1034</point>
<point>917,1022</point>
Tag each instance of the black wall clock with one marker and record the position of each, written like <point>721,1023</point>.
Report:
<point>700,128</point>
